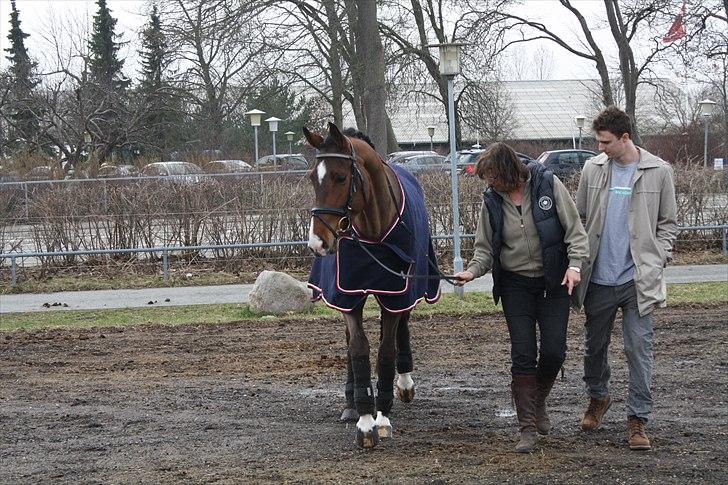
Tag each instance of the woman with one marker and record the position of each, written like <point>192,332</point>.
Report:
<point>530,235</point>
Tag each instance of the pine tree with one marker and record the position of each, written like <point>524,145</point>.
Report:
<point>161,104</point>
<point>24,123</point>
<point>153,54</point>
<point>105,67</point>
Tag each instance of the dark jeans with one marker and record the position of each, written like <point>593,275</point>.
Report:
<point>526,302</point>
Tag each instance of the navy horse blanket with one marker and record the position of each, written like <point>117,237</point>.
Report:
<point>345,279</point>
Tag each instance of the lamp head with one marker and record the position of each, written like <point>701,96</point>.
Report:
<point>579,121</point>
<point>431,131</point>
<point>255,116</point>
<point>273,123</point>
<point>706,107</point>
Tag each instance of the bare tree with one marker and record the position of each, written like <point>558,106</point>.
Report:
<point>486,109</point>
<point>632,23</point>
<point>225,58</point>
<point>412,28</point>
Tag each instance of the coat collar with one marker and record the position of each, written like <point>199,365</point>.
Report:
<point>647,160</point>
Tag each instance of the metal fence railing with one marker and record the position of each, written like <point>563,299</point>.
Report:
<point>165,251</point>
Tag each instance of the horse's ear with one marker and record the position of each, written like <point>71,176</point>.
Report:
<point>314,139</point>
<point>337,135</point>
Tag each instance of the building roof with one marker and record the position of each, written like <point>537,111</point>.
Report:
<point>544,110</point>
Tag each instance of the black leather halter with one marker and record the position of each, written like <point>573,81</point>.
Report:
<point>344,226</point>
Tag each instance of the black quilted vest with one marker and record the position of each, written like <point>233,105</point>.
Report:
<point>549,228</point>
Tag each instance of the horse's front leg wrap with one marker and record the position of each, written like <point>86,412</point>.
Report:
<point>363,390</point>
<point>404,351</point>
<point>349,389</point>
<point>385,387</point>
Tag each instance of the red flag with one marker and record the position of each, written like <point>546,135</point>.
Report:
<point>677,29</point>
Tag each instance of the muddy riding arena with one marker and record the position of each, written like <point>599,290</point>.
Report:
<point>259,401</point>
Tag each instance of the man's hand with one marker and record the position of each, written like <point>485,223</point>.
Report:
<point>571,279</point>
<point>463,277</point>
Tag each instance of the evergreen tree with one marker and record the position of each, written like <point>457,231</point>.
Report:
<point>160,103</point>
<point>21,111</point>
<point>105,67</point>
<point>279,100</point>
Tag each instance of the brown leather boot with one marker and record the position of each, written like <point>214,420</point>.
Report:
<point>636,436</point>
<point>524,394</point>
<point>595,413</point>
<point>543,385</point>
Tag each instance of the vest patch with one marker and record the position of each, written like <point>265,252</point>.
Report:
<point>545,202</point>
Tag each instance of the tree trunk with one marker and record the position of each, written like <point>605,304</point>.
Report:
<point>627,66</point>
<point>337,82</point>
<point>371,61</point>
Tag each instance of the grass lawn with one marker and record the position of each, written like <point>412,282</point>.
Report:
<point>473,304</point>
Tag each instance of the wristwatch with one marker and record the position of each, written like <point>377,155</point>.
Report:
<point>575,268</point>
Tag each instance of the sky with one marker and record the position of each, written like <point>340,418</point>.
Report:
<point>40,17</point>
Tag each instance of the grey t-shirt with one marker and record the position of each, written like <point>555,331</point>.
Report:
<point>614,265</point>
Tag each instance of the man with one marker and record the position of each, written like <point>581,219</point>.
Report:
<point>626,195</point>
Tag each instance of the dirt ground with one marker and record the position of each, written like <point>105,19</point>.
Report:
<point>260,401</point>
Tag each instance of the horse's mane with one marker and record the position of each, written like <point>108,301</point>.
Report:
<point>353,132</point>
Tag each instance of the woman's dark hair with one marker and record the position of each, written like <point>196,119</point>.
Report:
<point>613,120</point>
<point>499,161</point>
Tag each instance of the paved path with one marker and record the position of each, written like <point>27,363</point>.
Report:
<point>203,295</point>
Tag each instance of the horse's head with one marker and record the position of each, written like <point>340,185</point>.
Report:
<point>341,184</point>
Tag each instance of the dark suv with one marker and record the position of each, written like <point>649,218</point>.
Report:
<point>564,163</point>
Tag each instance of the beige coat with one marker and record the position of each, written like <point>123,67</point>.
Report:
<point>652,222</point>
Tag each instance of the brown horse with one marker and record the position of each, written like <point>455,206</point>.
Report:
<point>364,227</point>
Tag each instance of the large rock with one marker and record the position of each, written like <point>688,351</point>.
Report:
<point>278,293</point>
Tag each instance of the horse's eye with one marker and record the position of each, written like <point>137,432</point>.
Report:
<point>339,179</point>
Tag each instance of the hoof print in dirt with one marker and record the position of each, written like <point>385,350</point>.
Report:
<point>349,415</point>
<point>367,440</point>
<point>405,395</point>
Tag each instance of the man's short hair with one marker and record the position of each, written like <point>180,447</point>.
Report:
<point>613,120</point>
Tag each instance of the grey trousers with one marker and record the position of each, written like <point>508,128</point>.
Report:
<point>601,305</point>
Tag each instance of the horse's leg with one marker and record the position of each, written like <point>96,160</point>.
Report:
<point>366,427</point>
<point>405,384</point>
<point>385,371</point>
<point>349,414</point>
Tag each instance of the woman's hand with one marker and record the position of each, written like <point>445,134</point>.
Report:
<point>463,277</point>
<point>571,279</point>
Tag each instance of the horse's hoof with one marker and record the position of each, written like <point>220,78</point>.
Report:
<point>384,431</point>
<point>349,415</point>
<point>368,439</point>
<point>405,395</point>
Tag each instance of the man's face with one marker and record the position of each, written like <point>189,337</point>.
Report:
<point>612,145</point>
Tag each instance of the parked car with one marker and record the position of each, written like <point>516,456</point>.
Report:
<point>184,172</point>
<point>44,172</point>
<point>117,171</point>
<point>282,162</point>
<point>423,163</point>
<point>468,159</point>
<point>228,166</point>
<point>564,163</point>
<point>399,157</point>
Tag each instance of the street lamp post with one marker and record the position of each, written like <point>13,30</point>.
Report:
<point>289,137</point>
<point>273,127</point>
<point>255,116</point>
<point>579,122</point>
<point>449,68</point>
<point>87,143</point>
<point>431,132</point>
<point>706,109</point>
